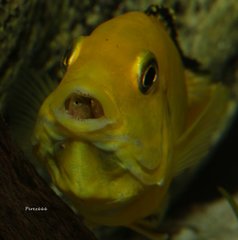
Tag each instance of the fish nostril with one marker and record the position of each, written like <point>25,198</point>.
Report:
<point>83,107</point>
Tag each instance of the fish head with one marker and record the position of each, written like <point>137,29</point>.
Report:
<point>106,132</point>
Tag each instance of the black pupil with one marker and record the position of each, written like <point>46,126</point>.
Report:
<point>149,77</point>
<point>148,73</point>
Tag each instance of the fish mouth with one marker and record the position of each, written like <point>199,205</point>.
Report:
<point>83,106</point>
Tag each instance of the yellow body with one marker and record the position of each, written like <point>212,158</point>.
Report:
<point>111,149</point>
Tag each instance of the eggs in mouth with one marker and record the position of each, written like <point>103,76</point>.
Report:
<point>81,106</point>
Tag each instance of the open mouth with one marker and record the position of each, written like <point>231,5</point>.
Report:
<point>81,106</point>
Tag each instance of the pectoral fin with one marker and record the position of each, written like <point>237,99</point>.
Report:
<point>22,102</point>
<point>205,130</point>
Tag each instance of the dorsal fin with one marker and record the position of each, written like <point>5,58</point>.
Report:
<point>22,103</point>
<point>166,15</point>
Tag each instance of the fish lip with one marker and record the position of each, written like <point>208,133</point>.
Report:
<point>79,127</point>
<point>47,138</point>
<point>107,110</point>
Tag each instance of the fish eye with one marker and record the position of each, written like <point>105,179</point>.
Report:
<point>73,52</point>
<point>67,56</point>
<point>148,73</point>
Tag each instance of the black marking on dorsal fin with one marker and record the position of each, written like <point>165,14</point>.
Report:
<point>166,15</point>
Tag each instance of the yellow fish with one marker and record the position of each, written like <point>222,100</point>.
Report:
<point>126,120</point>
